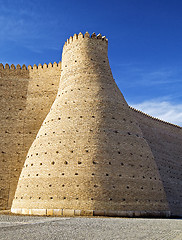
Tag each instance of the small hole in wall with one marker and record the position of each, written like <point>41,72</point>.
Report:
<point>119,152</point>
<point>76,173</point>
<point>65,65</point>
<point>40,163</point>
<point>51,197</point>
<point>64,198</point>
<point>53,163</point>
<point>66,162</point>
<point>37,174</point>
<point>92,199</point>
<point>110,199</point>
<point>39,197</point>
<point>63,185</point>
<point>50,185</point>
<point>79,162</point>
<point>75,60</point>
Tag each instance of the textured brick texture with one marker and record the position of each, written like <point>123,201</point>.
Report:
<point>26,96</point>
<point>165,142</point>
<point>90,154</point>
<point>93,154</point>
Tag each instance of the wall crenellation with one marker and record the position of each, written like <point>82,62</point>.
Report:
<point>24,67</point>
<point>80,36</point>
<point>154,118</point>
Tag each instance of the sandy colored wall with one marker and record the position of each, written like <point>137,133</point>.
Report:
<point>165,142</point>
<point>26,96</point>
<point>89,154</point>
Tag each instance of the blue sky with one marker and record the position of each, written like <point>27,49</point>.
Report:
<point>145,38</point>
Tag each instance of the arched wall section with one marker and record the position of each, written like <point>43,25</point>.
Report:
<point>165,141</point>
<point>26,96</point>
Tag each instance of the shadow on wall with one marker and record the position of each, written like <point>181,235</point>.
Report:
<point>165,141</point>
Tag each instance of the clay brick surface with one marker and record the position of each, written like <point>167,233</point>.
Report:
<point>90,153</point>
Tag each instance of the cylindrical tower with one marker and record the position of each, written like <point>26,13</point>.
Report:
<point>89,157</point>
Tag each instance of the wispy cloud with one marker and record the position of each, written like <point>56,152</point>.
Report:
<point>23,24</point>
<point>142,75</point>
<point>163,110</point>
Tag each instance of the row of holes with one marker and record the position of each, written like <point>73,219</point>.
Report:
<point>91,130</point>
<point>90,59</point>
<point>94,162</point>
<point>59,118</point>
<point>93,174</point>
<point>110,199</point>
<point>127,187</point>
<point>86,152</point>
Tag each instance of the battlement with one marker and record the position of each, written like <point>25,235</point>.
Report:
<point>86,36</point>
<point>154,118</point>
<point>24,67</point>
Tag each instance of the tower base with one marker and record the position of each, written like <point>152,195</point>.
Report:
<point>76,212</point>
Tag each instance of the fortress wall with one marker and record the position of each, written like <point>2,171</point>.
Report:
<point>26,96</point>
<point>13,94</point>
<point>165,142</point>
<point>89,154</point>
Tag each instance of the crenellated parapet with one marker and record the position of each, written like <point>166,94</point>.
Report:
<point>86,36</point>
<point>154,118</point>
<point>85,39</point>
<point>24,67</point>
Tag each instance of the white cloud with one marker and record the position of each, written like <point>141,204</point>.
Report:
<point>162,109</point>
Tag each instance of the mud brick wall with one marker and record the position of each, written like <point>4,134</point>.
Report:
<point>165,141</point>
<point>26,96</point>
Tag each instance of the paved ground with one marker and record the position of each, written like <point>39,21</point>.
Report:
<point>40,228</point>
